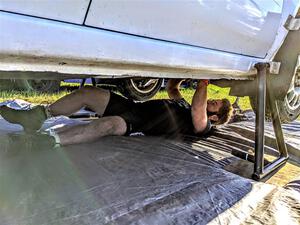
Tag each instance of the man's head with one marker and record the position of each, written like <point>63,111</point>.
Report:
<point>219,111</point>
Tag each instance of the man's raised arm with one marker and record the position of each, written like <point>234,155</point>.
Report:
<point>173,86</point>
<point>199,107</point>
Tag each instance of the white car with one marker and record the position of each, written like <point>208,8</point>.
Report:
<point>219,40</point>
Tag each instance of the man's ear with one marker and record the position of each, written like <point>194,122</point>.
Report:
<point>213,118</point>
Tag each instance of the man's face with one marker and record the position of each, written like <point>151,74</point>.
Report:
<point>214,106</point>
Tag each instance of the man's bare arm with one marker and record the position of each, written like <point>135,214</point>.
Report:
<point>199,105</point>
<point>173,86</point>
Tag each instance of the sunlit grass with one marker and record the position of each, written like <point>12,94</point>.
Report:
<point>213,92</point>
<point>33,97</point>
<point>48,98</point>
<point>37,97</point>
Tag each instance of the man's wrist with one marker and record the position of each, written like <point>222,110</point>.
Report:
<point>202,83</point>
<point>206,82</point>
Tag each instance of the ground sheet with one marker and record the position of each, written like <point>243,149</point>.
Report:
<point>141,180</point>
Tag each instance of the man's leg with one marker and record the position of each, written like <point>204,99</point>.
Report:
<point>94,98</point>
<point>110,125</point>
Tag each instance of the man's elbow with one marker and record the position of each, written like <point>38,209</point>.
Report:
<point>172,92</point>
<point>173,84</point>
<point>199,119</point>
<point>172,89</point>
<point>200,128</point>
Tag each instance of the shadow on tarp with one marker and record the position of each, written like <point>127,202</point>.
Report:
<point>116,180</point>
<point>135,180</point>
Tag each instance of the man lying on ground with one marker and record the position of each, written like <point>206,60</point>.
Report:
<point>121,116</point>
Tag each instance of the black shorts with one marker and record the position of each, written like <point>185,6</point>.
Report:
<point>127,109</point>
<point>153,117</point>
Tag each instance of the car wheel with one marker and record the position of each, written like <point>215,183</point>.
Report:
<point>39,85</point>
<point>289,108</point>
<point>140,89</point>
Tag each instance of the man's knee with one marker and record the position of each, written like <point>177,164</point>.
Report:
<point>92,95</point>
<point>87,90</point>
<point>119,125</point>
<point>114,125</point>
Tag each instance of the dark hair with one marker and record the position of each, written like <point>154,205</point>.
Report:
<point>224,112</point>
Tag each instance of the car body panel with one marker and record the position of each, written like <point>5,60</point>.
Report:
<point>29,44</point>
<point>89,51</point>
<point>63,10</point>
<point>245,27</point>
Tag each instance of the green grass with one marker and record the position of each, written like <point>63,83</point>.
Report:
<point>32,97</point>
<point>38,98</point>
<point>213,92</point>
<point>41,98</point>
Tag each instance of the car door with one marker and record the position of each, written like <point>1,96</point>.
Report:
<point>246,27</point>
<point>72,11</point>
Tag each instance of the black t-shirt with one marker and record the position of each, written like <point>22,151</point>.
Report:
<point>168,117</point>
<point>154,117</point>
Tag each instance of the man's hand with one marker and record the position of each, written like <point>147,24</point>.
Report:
<point>173,86</point>
<point>203,82</point>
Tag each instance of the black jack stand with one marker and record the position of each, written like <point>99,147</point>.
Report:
<point>260,170</point>
<point>84,80</point>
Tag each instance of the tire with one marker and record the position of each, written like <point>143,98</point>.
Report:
<point>140,89</point>
<point>289,108</point>
<point>39,85</point>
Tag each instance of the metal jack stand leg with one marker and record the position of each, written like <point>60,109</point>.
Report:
<point>260,170</point>
<point>84,80</point>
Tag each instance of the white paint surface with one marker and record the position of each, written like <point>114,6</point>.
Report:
<point>60,42</point>
<point>32,44</point>
<point>245,27</point>
<point>64,10</point>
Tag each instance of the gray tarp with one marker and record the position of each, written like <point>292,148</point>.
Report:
<point>138,180</point>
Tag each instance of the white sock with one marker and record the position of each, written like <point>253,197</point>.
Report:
<point>47,112</point>
<point>55,135</point>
